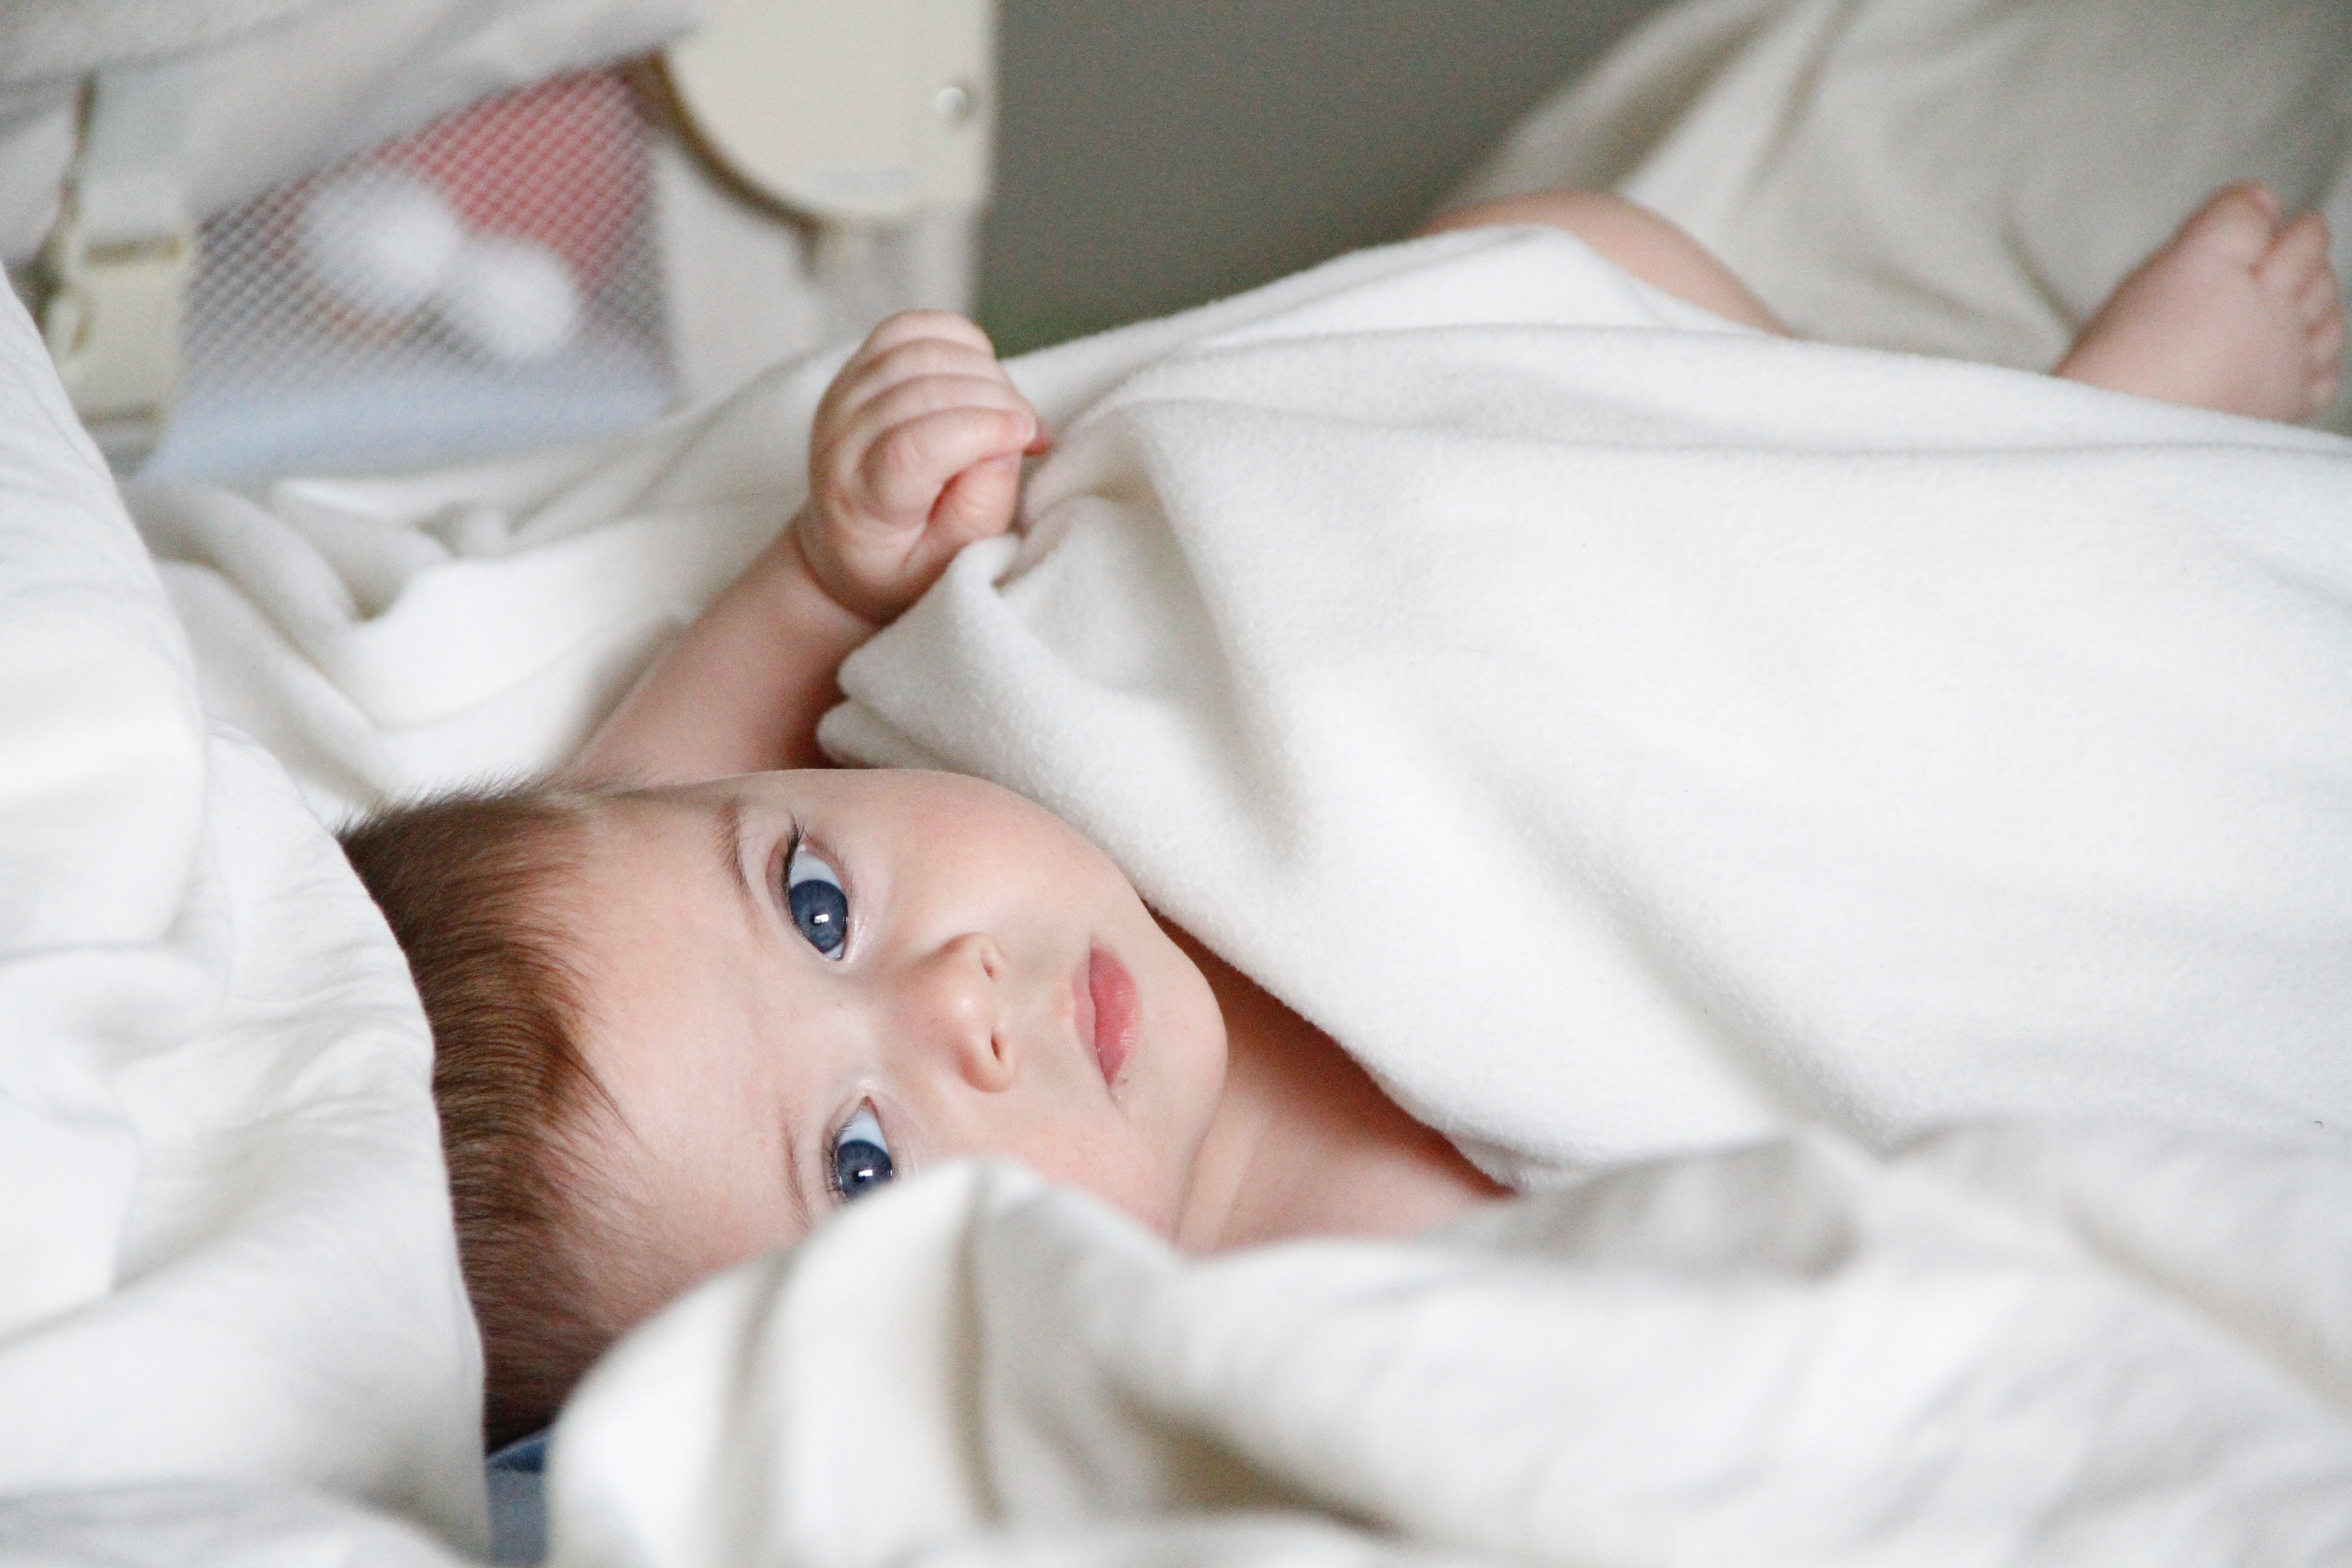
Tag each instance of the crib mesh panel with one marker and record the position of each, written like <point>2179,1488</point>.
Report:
<point>488,281</point>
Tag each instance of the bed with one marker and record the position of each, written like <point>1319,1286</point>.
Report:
<point>1842,1253</point>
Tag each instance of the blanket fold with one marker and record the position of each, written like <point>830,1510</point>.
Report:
<point>227,1270</point>
<point>1978,1351</point>
<point>1625,734</point>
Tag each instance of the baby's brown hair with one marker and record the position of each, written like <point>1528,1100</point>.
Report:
<point>472,886</point>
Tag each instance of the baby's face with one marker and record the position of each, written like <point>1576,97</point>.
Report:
<point>800,985</point>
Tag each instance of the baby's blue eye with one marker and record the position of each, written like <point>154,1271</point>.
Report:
<point>861,1159</point>
<point>820,907</point>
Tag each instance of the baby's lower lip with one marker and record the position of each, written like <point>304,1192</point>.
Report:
<point>1110,991</point>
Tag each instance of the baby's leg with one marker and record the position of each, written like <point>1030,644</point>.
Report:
<point>1635,238</point>
<point>2238,312</point>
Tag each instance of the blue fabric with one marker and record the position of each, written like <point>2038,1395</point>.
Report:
<point>519,1501</point>
<point>527,1456</point>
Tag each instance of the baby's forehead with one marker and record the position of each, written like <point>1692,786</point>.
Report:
<point>648,891</point>
<point>622,833</point>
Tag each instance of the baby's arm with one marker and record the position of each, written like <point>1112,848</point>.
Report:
<point>915,453</point>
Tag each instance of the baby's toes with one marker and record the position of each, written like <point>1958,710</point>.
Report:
<point>2315,296</point>
<point>2234,222</point>
<point>2326,339</point>
<point>2322,393</point>
<point>2297,256</point>
<point>2325,347</point>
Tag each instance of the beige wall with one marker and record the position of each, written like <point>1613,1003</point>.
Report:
<point>1156,153</point>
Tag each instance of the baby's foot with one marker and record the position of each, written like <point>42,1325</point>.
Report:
<point>2238,312</point>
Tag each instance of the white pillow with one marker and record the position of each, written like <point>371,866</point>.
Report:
<point>226,1249</point>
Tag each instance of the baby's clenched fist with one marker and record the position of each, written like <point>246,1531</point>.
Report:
<point>915,453</point>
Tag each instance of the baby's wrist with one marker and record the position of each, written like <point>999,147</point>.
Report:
<point>800,559</point>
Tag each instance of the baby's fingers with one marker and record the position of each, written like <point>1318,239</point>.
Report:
<point>905,472</point>
<point>908,326</point>
<point>852,455</point>
<point>902,350</point>
<point>979,503</point>
<point>911,400</point>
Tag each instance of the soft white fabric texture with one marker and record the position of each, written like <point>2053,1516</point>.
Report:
<point>391,637</point>
<point>216,1525</point>
<point>1628,736</point>
<point>225,1253</point>
<point>2008,1346</point>
<point>1963,177</point>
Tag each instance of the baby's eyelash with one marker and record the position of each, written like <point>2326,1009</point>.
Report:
<point>781,874</point>
<point>833,1166</point>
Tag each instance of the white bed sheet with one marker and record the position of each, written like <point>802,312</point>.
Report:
<point>228,1257</point>
<point>1960,177</point>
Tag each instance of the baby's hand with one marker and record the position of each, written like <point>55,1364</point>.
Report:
<point>916,452</point>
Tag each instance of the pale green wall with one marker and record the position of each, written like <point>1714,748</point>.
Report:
<point>1155,153</point>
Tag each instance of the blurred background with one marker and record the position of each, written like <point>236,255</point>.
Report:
<point>1150,157</point>
<point>432,229</point>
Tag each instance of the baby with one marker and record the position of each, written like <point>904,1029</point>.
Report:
<point>700,994</point>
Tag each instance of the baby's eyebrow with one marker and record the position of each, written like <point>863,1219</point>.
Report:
<point>728,841</point>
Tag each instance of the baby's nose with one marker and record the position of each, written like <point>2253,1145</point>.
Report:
<point>955,997</point>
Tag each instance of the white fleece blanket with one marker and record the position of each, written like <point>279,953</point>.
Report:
<point>1626,735</point>
<point>2007,1347</point>
<point>230,1313</point>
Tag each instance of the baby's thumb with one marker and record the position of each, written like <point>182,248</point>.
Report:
<point>978,503</point>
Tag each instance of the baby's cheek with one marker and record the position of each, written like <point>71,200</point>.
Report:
<point>1120,1172</point>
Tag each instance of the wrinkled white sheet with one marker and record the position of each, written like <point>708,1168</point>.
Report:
<point>226,1254</point>
<point>1962,177</point>
<point>388,637</point>
<point>2005,1347</point>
